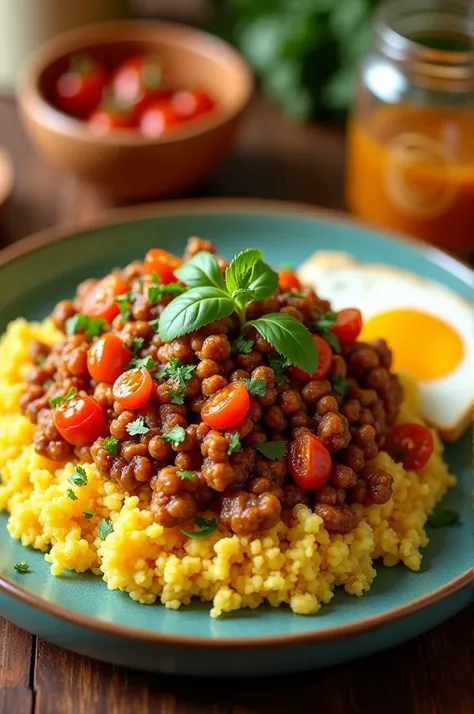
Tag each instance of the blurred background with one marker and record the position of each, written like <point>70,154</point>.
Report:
<point>411,116</point>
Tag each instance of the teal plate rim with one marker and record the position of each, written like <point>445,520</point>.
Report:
<point>462,271</point>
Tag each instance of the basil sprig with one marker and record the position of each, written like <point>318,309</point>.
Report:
<point>211,297</point>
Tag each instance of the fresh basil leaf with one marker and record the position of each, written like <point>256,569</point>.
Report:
<point>202,270</point>
<point>325,322</point>
<point>332,341</point>
<point>272,449</point>
<point>192,310</point>
<point>239,267</point>
<point>156,292</point>
<point>290,338</point>
<point>262,281</point>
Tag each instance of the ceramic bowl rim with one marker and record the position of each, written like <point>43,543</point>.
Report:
<point>33,103</point>
<point>263,207</point>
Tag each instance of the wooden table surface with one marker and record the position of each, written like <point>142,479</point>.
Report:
<point>433,674</point>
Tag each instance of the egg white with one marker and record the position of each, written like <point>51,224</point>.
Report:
<point>374,289</point>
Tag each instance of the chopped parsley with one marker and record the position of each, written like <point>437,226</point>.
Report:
<point>124,305</point>
<point>205,527</point>
<point>256,387</point>
<point>40,360</point>
<point>234,444</point>
<point>175,436</point>
<point>272,449</point>
<point>137,362</point>
<point>243,346</point>
<point>88,515</point>
<point>279,364</point>
<point>339,384</point>
<point>185,475</point>
<point>111,445</point>
<point>137,427</point>
<point>22,568</point>
<point>79,477</point>
<point>105,528</point>
<point>156,292</point>
<point>154,323</point>
<point>443,517</point>
<point>56,401</point>
<point>88,325</point>
<point>323,325</point>
<point>71,494</point>
<point>136,344</point>
<point>179,374</point>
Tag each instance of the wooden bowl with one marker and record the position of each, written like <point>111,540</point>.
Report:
<point>125,165</point>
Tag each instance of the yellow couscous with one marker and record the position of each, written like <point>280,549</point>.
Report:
<point>299,564</point>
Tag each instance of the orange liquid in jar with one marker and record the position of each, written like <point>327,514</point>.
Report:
<point>412,169</point>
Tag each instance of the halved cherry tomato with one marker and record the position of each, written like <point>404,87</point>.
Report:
<point>136,78</point>
<point>157,117</point>
<point>110,117</point>
<point>191,103</point>
<point>79,420</point>
<point>226,407</point>
<point>107,357</point>
<point>100,303</point>
<point>133,388</point>
<point>348,326</point>
<point>309,462</point>
<point>287,280</point>
<point>79,89</point>
<point>163,264</point>
<point>410,443</point>
<point>324,362</point>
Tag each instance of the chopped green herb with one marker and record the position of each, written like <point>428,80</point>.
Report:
<point>83,323</point>
<point>40,360</point>
<point>256,387</point>
<point>175,436</point>
<point>136,363</point>
<point>47,383</point>
<point>71,494</point>
<point>279,364</point>
<point>88,515</point>
<point>234,444</point>
<point>79,477</point>
<point>56,401</point>
<point>272,449</point>
<point>136,344</point>
<point>124,304</point>
<point>22,568</point>
<point>205,528</point>
<point>137,427</point>
<point>243,346</point>
<point>323,325</point>
<point>295,294</point>
<point>154,323</point>
<point>185,475</point>
<point>111,445</point>
<point>177,396</point>
<point>105,528</point>
<point>179,374</point>
<point>339,384</point>
<point>156,292</point>
<point>332,341</point>
<point>443,517</point>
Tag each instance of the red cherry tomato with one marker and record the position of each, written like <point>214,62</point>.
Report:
<point>309,462</point>
<point>191,103</point>
<point>324,362</point>
<point>410,443</point>
<point>163,264</point>
<point>287,280</point>
<point>157,117</point>
<point>79,89</point>
<point>100,303</point>
<point>227,407</point>
<point>133,388</point>
<point>79,420</point>
<point>348,326</point>
<point>111,117</point>
<point>137,78</point>
<point>107,357</point>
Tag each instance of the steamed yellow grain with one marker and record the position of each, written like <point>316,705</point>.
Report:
<point>299,564</point>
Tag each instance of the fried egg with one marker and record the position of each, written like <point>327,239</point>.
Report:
<point>429,329</point>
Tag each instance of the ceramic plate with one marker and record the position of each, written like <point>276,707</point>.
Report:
<point>78,612</point>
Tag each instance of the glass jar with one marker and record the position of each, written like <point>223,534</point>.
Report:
<point>411,133</point>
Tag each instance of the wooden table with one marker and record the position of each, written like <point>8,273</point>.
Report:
<point>433,674</point>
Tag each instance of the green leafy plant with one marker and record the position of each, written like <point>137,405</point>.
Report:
<point>212,296</point>
<point>306,52</point>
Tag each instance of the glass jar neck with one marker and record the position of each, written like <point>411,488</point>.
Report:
<point>433,39</point>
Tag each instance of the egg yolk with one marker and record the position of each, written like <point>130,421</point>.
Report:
<point>421,344</point>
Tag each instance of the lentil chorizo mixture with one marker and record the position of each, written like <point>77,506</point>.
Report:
<point>217,419</point>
